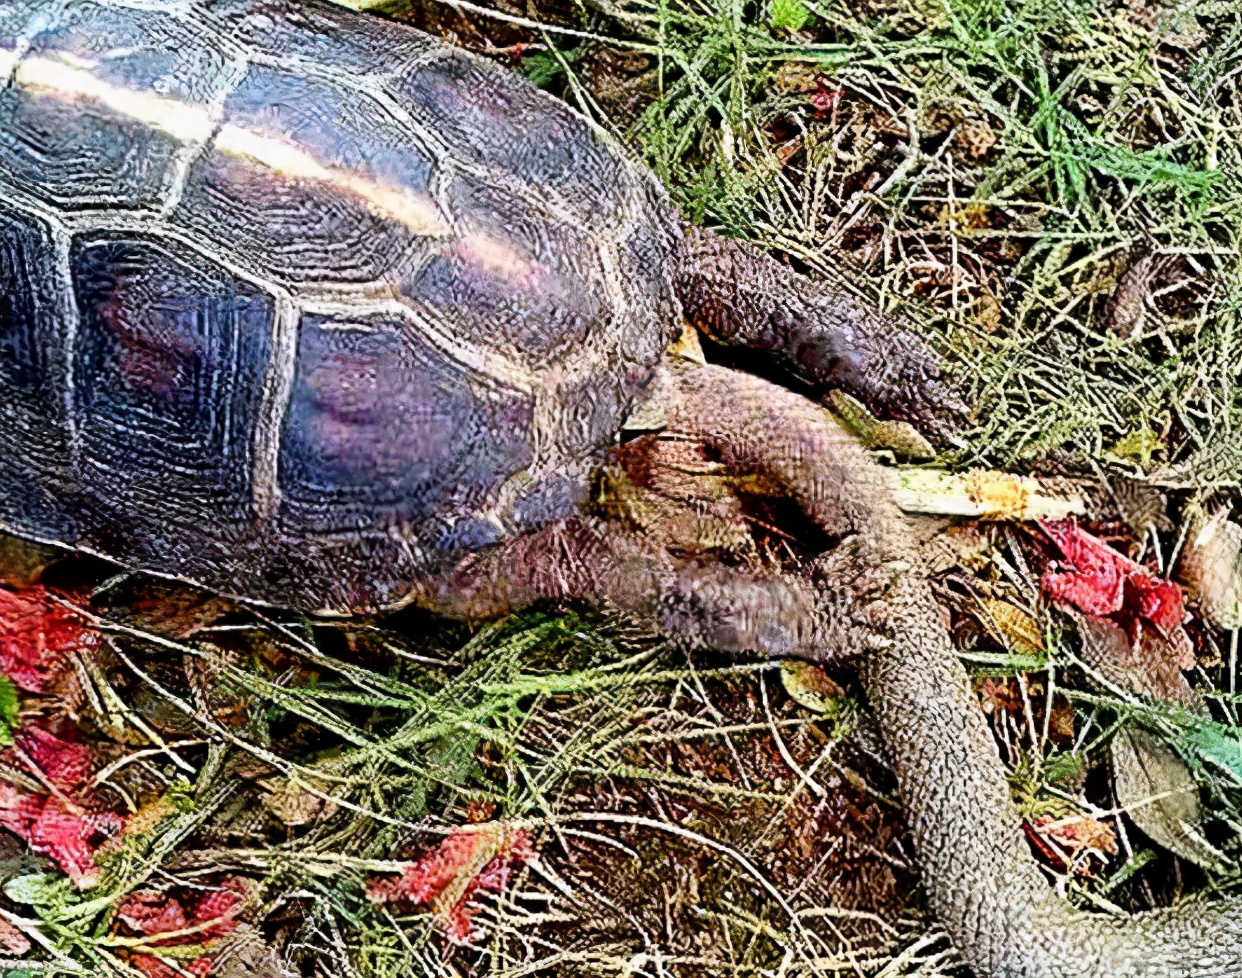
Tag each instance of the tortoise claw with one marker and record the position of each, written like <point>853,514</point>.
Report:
<point>898,376</point>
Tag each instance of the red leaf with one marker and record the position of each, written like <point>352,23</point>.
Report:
<point>18,809</point>
<point>66,764</point>
<point>1096,584</point>
<point>52,823</point>
<point>154,912</point>
<point>824,99</point>
<point>1072,838</point>
<point>1133,625</point>
<point>1105,583</point>
<point>222,906</point>
<point>70,838</point>
<point>36,633</point>
<point>493,878</point>
<point>434,872</point>
<point>12,941</point>
<point>153,967</point>
<point>1157,601</point>
<point>448,877</point>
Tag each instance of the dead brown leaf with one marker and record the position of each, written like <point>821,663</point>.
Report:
<point>1212,570</point>
<point>1150,666</point>
<point>1155,788</point>
<point>1014,628</point>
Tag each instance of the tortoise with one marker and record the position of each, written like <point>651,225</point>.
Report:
<point>301,305</point>
<point>311,309</point>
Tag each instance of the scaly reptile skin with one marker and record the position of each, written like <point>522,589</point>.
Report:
<point>982,882</point>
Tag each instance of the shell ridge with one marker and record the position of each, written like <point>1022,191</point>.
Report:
<point>62,242</point>
<point>489,365</point>
<point>182,165</point>
<point>178,8</point>
<point>274,406</point>
<point>147,225</point>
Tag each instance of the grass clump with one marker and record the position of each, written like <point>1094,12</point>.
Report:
<point>658,796</point>
<point>1055,184</point>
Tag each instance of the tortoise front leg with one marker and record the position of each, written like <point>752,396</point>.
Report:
<point>739,296</point>
<point>703,604</point>
<point>832,610</point>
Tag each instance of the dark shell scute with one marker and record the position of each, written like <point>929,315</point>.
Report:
<point>82,160</point>
<point>384,428</point>
<point>499,120</point>
<point>169,366</point>
<point>34,451</point>
<point>63,135</point>
<point>515,275</point>
<point>319,34</point>
<point>28,315</point>
<point>310,181</point>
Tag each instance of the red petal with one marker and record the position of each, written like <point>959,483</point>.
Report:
<point>18,809</point>
<point>458,855</point>
<point>514,851</point>
<point>1082,549</point>
<point>155,912</point>
<point>824,99</point>
<point>153,967</point>
<point>459,924</point>
<point>1105,582</point>
<point>1096,594</point>
<point>12,941</point>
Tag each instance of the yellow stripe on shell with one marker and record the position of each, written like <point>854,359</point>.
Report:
<point>192,123</point>
<point>8,61</point>
<point>416,211</point>
<point>184,121</point>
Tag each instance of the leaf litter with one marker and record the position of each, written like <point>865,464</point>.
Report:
<point>1052,188</point>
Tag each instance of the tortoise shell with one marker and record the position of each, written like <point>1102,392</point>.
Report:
<point>297,303</point>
